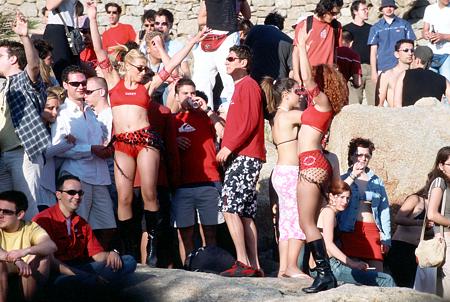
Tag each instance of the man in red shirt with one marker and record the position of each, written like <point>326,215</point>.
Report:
<point>117,33</point>
<point>199,187</point>
<point>348,60</point>
<point>243,154</point>
<point>79,257</point>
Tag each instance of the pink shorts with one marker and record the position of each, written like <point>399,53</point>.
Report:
<point>284,180</point>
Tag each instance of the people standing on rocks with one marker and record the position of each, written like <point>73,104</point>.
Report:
<point>283,100</point>
<point>242,153</point>
<point>387,80</point>
<point>365,224</point>
<point>438,188</point>
<point>360,29</point>
<point>345,268</point>
<point>409,87</point>
<point>117,33</point>
<point>327,94</point>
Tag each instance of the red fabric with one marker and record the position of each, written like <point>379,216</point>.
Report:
<point>244,129</point>
<point>321,41</point>
<point>120,34</point>
<point>314,166</point>
<point>348,62</point>
<point>198,162</point>
<point>120,95</point>
<point>88,56</point>
<point>318,120</point>
<point>364,242</point>
<point>163,122</point>
<point>80,245</point>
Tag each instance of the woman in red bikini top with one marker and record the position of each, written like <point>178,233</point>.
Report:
<point>136,145</point>
<point>327,93</point>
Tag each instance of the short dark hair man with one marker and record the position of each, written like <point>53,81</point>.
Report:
<point>410,84</point>
<point>243,153</point>
<point>25,247</point>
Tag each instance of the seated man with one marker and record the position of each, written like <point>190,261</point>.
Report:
<point>79,253</point>
<point>24,247</point>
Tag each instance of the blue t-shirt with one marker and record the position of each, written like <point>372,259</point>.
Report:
<point>385,35</point>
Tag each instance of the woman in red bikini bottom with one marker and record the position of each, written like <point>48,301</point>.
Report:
<point>136,144</point>
<point>327,94</point>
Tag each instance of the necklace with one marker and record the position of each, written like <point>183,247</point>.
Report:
<point>283,108</point>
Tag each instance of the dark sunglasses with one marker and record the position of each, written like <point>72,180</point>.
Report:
<point>232,59</point>
<point>161,23</point>
<point>7,212</point>
<point>140,68</point>
<point>368,156</point>
<point>114,12</point>
<point>77,84</point>
<point>89,92</point>
<point>411,50</point>
<point>300,91</point>
<point>149,25</point>
<point>73,192</point>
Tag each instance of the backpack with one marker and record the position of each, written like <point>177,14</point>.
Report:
<point>209,259</point>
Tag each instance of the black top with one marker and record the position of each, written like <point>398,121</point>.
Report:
<point>360,38</point>
<point>221,15</point>
<point>419,83</point>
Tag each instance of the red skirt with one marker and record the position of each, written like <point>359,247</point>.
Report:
<point>364,242</point>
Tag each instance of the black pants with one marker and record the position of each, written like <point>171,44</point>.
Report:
<point>401,260</point>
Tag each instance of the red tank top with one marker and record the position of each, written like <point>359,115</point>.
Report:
<point>120,95</point>
<point>317,119</point>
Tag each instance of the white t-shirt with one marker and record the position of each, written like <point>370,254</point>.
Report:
<point>67,11</point>
<point>439,19</point>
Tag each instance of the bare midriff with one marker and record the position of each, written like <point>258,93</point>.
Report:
<point>129,118</point>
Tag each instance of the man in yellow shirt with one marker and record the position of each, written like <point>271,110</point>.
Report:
<point>25,247</point>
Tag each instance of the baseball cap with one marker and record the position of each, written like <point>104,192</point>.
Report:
<point>385,3</point>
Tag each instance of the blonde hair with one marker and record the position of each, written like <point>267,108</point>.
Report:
<point>56,92</point>
<point>149,37</point>
<point>46,73</point>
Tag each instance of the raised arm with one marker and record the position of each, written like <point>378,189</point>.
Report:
<point>245,10</point>
<point>201,18</point>
<point>20,27</point>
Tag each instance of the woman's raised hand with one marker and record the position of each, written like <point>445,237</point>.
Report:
<point>201,34</point>
<point>91,9</point>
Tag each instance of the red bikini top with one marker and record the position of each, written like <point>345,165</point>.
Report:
<point>120,95</point>
<point>312,117</point>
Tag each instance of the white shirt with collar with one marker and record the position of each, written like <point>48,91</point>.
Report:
<point>79,160</point>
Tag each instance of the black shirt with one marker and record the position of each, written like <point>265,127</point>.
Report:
<point>419,83</point>
<point>221,15</point>
<point>360,38</point>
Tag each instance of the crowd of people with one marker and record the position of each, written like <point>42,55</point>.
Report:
<point>128,147</point>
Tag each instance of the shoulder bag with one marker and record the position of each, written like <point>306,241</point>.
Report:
<point>74,37</point>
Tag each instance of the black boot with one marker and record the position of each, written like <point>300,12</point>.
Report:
<point>152,222</point>
<point>325,278</point>
<point>128,232</point>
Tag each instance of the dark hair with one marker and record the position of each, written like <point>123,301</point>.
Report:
<point>79,9</point>
<point>339,187</point>
<point>71,69</point>
<point>43,10</point>
<point>347,36</point>
<point>441,157</point>
<point>148,15</point>
<point>326,6</point>
<point>358,142</point>
<point>183,82</point>
<point>245,25</point>
<point>16,197</point>
<point>402,41</point>
<point>15,49</point>
<point>273,91</point>
<point>243,52</point>
<point>275,19</point>
<point>43,48</point>
<point>355,6</point>
<point>166,13</point>
<point>60,182</point>
<point>112,4</point>
<point>201,94</point>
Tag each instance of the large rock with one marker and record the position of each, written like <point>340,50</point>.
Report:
<point>406,141</point>
<point>177,285</point>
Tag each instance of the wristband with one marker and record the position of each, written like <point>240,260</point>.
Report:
<point>353,176</point>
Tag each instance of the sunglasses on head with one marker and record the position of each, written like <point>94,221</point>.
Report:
<point>77,84</point>
<point>232,59</point>
<point>161,23</point>
<point>73,192</point>
<point>114,12</point>
<point>92,91</point>
<point>140,68</point>
<point>7,212</point>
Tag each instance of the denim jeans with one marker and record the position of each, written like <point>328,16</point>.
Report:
<point>444,69</point>
<point>346,274</point>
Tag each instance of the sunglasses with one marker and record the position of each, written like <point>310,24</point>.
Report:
<point>161,23</point>
<point>334,13</point>
<point>411,50</point>
<point>73,192</point>
<point>140,68</point>
<point>114,12</point>
<point>368,156</point>
<point>232,59</point>
<point>7,212</point>
<point>77,84</point>
<point>300,91</point>
<point>149,25</point>
<point>89,92</point>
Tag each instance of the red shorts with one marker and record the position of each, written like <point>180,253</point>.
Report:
<point>314,167</point>
<point>131,143</point>
<point>364,242</point>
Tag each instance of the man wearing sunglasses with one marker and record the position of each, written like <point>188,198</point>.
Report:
<point>79,257</point>
<point>117,33</point>
<point>25,248</point>
<point>86,159</point>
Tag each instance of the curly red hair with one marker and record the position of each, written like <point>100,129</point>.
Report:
<point>332,83</point>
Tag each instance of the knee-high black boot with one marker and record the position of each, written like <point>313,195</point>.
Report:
<point>325,278</point>
<point>152,222</point>
<point>128,233</point>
